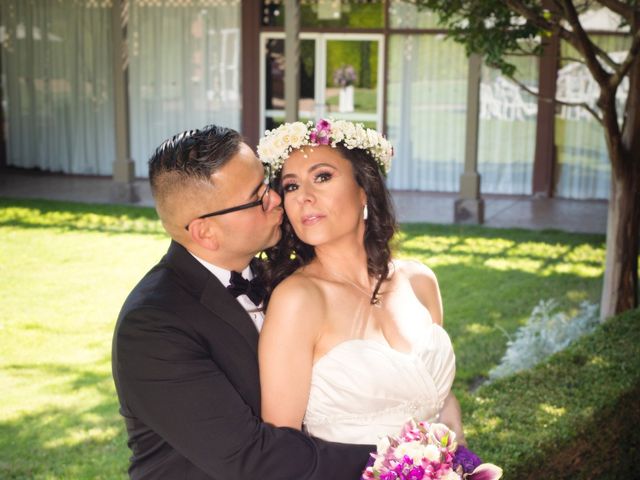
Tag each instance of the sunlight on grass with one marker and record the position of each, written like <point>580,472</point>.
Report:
<point>514,263</point>
<point>539,250</point>
<point>553,411</point>
<point>578,269</point>
<point>486,246</point>
<point>476,328</point>
<point>429,244</point>
<point>67,269</point>
<point>80,436</point>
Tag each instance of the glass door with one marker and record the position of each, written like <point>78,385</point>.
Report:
<point>340,77</point>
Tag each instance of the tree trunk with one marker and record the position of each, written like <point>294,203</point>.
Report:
<point>620,289</point>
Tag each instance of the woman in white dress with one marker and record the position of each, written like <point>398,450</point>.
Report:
<point>352,345</point>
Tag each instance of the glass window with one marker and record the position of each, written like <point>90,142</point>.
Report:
<point>351,78</point>
<point>426,112</point>
<point>57,82</point>
<point>184,71</point>
<point>405,14</point>
<point>583,168</point>
<point>507,131</point>
<point>328,13</point>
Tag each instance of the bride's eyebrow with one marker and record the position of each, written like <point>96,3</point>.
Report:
<point>311,169</point>
<point>316,166</point>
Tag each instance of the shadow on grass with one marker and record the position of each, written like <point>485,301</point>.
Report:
<point>71,216</point>
<point>61,442</point>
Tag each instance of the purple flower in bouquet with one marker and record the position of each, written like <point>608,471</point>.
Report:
<point>465,459</point>
<point>344,76</point>
<point>426,451</point>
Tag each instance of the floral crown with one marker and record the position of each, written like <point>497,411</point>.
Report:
<point>277,144</point>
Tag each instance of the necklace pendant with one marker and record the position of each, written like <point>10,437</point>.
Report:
<point>377,300</point>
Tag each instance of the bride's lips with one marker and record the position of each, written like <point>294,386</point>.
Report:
<point>311,219</point>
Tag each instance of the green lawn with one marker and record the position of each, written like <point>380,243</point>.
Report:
<point>66,269</point>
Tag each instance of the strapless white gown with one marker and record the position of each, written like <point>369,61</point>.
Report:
<point>364,389</point>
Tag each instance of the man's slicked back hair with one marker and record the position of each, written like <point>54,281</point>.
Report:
<point>193,155</point>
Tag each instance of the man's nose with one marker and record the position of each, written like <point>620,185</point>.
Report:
<point>275,199</point>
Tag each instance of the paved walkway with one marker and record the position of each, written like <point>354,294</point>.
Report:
<point>588,216</point>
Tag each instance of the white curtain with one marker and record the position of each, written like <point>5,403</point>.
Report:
<point>426,112</point>
<point>57,84</point>
<point>583,167</point>
<point>184,69</point>
<point>507,132</point>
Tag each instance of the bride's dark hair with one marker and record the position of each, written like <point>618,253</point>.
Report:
<point>290,253</point>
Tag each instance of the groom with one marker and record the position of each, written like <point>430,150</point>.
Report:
<point>185,345</point>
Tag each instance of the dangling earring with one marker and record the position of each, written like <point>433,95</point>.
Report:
<point>365,212</point>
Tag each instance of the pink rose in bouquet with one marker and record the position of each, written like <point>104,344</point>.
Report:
<point>424,451</point>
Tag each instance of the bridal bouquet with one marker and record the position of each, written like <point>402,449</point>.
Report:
<point>425,451</point>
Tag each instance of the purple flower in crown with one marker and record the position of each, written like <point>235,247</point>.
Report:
<point>322,132</point>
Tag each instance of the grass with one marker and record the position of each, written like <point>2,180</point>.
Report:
<point>67,268</point>
<point>562,418</point>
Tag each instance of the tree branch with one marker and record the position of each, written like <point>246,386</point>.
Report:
<point>632,55</point>
<point>605,57</point>
<point>585,46</point>
<point>621,8</point>
<point>573,59</point>
<point>584,105</point>
<point>573,37</point>
<point>521,9</point>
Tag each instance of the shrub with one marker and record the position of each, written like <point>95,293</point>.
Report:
<point>576,415</point>
<point>547,331</point>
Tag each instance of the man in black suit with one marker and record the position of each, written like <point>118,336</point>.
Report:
<point>185,349</point>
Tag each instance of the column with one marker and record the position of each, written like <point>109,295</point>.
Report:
<point>250,58</point>
<point>292,59</point>
<point>469,207</point>
<point>123,189</point>
<point>545,154</point>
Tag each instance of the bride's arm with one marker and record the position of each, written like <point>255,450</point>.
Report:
<point>451,416</point>
<point>285,351</point>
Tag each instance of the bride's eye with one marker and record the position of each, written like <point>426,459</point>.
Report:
<point>323,177</point>
<point>289,187</point>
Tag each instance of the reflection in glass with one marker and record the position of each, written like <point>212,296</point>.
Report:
<point>583,169</point>
<point>274,87</point>
<point>404,14</point>
<point>351,77</point>
<point>328,13</point>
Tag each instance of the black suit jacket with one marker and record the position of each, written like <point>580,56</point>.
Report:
<point>185,367</point>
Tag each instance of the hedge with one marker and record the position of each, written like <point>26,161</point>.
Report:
<point>576,415</point>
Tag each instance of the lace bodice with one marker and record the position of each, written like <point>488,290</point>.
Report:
<point>363,389</point>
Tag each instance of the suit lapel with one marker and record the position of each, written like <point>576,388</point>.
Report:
<point>217,299</point>
<point>213,295</point>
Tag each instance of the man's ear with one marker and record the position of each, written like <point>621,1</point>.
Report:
<point>204,233</point>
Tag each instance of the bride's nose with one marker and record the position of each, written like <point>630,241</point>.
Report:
<point>305,194</point>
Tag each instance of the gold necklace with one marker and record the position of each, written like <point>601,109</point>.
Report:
<point>376,300</point>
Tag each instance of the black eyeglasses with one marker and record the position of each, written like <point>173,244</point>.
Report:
<point>264,200</point>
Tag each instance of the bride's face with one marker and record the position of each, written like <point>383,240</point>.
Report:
<point>321,196</point>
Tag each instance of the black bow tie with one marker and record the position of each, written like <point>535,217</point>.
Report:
<point>238,285</point>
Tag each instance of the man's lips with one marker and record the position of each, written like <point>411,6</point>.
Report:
<point>311,219</point>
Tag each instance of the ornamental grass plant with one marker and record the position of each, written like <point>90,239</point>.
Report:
<point>67,268</point>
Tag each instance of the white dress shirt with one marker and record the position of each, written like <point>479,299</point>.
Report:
<point>255,312</point>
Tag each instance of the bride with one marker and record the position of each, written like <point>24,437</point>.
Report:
<point>352,345</point>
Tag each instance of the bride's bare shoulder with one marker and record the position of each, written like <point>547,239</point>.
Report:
<point>414,270</point>
<point>424,285</point>
<point>298,296</point>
